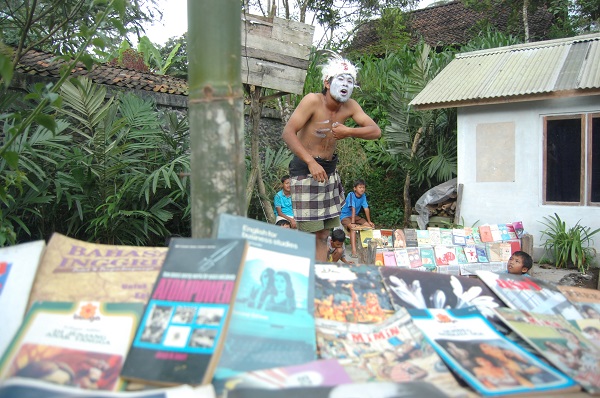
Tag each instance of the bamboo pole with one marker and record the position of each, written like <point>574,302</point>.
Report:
<point>215,109</point>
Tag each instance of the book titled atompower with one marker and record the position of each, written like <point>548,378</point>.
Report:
<point>180,337</point>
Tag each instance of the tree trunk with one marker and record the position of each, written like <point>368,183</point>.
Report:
<point>406,191</point>
<point>216,115</point>
<point>256,172</point>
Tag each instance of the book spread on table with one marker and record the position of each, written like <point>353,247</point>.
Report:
<point>18,265</point>
<point>392,350</point>
<point>73,270</point>
<point>423,289</point>
<point>181,335</point>
<point>351,294</point>
<point>273,322</point>
<point>557,340</point>
<point>587,301</point>
<point>529,294</point>
<point>485,359</point>
<point>80,344</point>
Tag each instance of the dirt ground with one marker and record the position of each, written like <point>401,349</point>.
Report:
<point>568,277</point>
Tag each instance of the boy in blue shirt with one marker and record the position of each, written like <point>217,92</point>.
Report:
<point>355,201</point>
<point>283,203</point>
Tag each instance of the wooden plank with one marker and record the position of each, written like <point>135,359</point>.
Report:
<point>275,57</point>
<point>272,44</point>
<point>275,76</point>
<point>458,202</point>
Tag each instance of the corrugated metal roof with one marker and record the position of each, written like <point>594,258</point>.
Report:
<point>508,74</point>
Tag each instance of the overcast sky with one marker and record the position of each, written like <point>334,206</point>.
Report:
<point>174,21</point>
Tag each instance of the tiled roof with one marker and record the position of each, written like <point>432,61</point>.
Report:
<point>41,63</point>
<point>525,72</point>
<point>451,23</point>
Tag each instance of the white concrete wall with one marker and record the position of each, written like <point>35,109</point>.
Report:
<point>521,199</point>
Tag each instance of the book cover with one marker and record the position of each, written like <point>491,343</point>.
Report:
<point>587,301</point>
<point>393,350</point>
<point>510,228</point>
<point>482,256</point>
<point>402,259</point>
<point>445,255</point>
<point>351,294</point>
<point>515,245</point>
<point>399,239</point>
<point>414,257</point>
<point>504,235</point>
<point>421,289</point>
<point>446,237</point>
<point>559,342</point>
<point>496,234</point>
<point>485,233</point>
<point>31,388</point>
<point>472,268</point>
<point>427,257</point>
<point>80,344</point>
<point>347,390</point>
<point>590,328</point>
<point>73,270</point>
<point>471,254</point>
<point>459,237</point>
<point>529,294</point>
<point>486,360</point>
<point>435,236</point>
<point>460,255</point>
<point>379,257</point>
<point>377,239</point>
<point>180,337</point>
<point>270,332</point>
<point>499,251</point>
<point>18,265</point>
<point>365,236</point>
<point>469,239</point>
<point>389,258</point>
<point>387,238</point>
<point>476,236</point>
<point>423,237</point>
<point>519,230</point>
<point>410,234</point>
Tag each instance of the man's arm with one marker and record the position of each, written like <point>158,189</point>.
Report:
<point>368,130</point>
<point>297,121</point>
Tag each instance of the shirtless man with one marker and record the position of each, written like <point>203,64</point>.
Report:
<point>311,134</point>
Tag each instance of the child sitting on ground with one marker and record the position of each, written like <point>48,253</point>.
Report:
<point>283,223</point>
<point>349,216</point>
<point>336,249</point>
<point>519,263</point>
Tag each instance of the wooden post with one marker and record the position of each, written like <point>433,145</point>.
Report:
<point>215,108</point>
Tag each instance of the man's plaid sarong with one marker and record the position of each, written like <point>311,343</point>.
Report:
<point>314,201</point>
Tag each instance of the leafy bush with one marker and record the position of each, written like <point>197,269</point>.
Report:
<point>568,246</point>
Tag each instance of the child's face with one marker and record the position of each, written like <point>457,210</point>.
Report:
<point>286,185</point>
<point>515,265</point>
<point>359,190</point>
<point>336,245</point>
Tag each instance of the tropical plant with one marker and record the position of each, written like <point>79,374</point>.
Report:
<point>568,246</point>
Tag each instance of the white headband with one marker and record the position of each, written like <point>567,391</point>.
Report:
<point>337,65</point>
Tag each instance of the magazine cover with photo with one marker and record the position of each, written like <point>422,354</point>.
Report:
<point>351,294</point>
<point>562,344</point>
<point>586,300</point>
<point>486,360</point>
<point>79,344</point>
<point>423,289</point>
<point>393,350</point>
<point>273,322</point>
<point>529,294</point>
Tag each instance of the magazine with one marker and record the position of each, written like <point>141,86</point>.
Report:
<point>486,360</point>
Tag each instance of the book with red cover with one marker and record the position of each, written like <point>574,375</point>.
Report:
<point>485,233</point>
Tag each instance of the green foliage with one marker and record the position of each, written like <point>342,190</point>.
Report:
<point>110,172</point>
<point>568,246</point>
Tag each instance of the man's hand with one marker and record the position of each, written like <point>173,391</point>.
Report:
<point>293,223</point>
<point>340,131</point>
<point>317,171</point>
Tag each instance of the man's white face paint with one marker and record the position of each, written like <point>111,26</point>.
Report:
<point>341,87</point>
